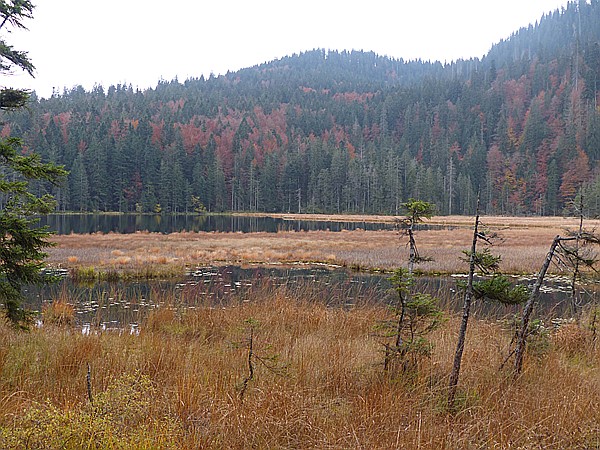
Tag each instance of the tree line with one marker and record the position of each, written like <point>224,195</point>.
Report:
<point>352,132</point>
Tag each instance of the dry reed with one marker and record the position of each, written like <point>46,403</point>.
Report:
<point>525,244</point>
<point>176,384</point>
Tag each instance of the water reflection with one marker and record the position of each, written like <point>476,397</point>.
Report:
<point>123,305</point>
<point>131,223</point>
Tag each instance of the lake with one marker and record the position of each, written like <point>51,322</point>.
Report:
<point>123,305</point>
<point>131,223</point>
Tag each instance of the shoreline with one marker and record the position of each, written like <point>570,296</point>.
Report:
<point>453,220</point>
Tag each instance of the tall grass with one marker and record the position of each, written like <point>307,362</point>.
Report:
<point>176,384</point>
<point>154,255</point>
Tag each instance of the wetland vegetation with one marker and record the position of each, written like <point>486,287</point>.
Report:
<point>317,379</point>
<point>176,383</point>
<point>282,362</point>
<point>525,244</point>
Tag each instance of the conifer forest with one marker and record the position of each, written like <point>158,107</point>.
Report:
<point>341,132</point>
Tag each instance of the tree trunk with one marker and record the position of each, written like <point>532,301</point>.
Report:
<point>575,276</point>
<point>406,296</point>
<point>528,309</point>
<point>460,346</point>
<point>412,256</point>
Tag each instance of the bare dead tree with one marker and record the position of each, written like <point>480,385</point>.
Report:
<point>528,309</point>
<point>250,360</point>
<point>460,345</point>
<point>576,266</point>
<point>494,286</point>
<point>254,358</point>
<point>88,382</point>
<point>577,258</point>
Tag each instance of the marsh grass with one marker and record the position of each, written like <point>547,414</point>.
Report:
<point>86,274</point>
<point>176,384</point>
<point>59,313</point>
<point>154,255</point>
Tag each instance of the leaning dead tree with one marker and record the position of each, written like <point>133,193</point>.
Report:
<point>528,309</point>
<point>460,345</point>
<point>565,254</point>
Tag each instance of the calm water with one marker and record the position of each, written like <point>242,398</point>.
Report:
<point>123,305</point>
<point>130,223</point>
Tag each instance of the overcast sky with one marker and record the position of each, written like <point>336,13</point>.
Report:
<point>139,42</point>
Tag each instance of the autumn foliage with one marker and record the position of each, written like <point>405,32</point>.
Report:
<point>328,131</point>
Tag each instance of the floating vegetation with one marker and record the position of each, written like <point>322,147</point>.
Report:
<point>106,305</point>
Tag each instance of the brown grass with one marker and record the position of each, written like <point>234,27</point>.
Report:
<point>176,384</point>
<point>59,312</point>
<point>526,241</point>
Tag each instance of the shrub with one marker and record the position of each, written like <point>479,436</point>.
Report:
<point>120,417</point>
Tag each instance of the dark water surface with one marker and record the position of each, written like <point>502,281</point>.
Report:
<point>123,305</point>
<point>130,223</point>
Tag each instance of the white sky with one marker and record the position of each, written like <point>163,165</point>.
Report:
<point>82,42</point>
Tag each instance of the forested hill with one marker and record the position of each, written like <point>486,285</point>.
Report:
<point>327,131</point>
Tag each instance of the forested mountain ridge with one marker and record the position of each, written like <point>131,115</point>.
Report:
<point>328,131</point>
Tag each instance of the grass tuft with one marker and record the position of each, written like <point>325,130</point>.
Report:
<point>59,313</point>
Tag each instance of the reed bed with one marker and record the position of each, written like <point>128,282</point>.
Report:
<point>523,249</point>
<point>178,383</point>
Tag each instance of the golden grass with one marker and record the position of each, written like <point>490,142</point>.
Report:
<point>59,313</point>
<point>177,384</point>
<point>526,242</point>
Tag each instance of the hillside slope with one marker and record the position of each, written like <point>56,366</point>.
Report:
<point>327,131</point>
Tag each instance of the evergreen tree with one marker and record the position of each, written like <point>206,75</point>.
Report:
<point>344,131</point>
<point>21,242</point>
<point>79,186</point>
